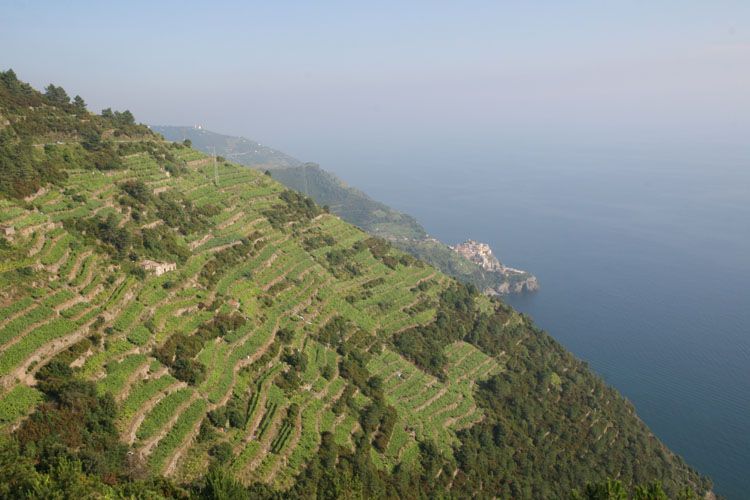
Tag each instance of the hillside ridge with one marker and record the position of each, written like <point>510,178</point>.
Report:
<point>177,325</point>
<point>356,207</point>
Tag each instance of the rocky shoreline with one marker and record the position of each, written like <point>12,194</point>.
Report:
<point>514,280</point>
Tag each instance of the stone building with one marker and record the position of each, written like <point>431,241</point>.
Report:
<point>158,268</point>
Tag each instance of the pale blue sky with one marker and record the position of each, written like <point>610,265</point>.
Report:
<point>314,78</point>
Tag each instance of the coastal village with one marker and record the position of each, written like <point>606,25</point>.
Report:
<point>517,280</point>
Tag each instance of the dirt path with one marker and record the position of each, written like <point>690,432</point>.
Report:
<point>38,245</point>
<point>223,247</point>
<point>286,273</point>
<point>16,315</point>
<point>140,416</point>
<point>55,268</point>
<point>258,413</point>
<point>200,162</point>
<point>410,326</point>
<point>26,371</point>
<point>461,360</point>
<point>413,303</point>
<point>448,408</point>
<point>41,355</point>
<point>475,372</point>
<point>428,385</point>
<point>195,244</point>
<point>180,450</point>
<point>232,220</point>
<point>289,447</point>
<point>26,331</point>
<point>87,279</point>
<point>151,443</point>
<point>108,204</point>
<point>141,372</point>
<point>426,278</point>
<point>69,303</point>
<point>53,242</point>
<point>77,264</point>
<point>450,421</point>
<point>267,439</point>
<point>439,394</point>
<point>34,196</point>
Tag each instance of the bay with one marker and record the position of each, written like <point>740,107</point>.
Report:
<point>643,255</point>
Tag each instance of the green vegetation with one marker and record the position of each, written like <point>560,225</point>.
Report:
<point>351,204</point>
<point>162,413</point>
<point>168,333</point>
<point>141,394</point>
<point>47,120</point>
<point>17,402</point>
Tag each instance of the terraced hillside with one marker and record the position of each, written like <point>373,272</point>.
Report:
<point>354,206</point>
<point>171,315</point>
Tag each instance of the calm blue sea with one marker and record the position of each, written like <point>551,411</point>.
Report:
<point>644,261</point>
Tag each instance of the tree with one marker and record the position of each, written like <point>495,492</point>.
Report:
<point>92,140</point>
<point>222,452</point>
<point>221,485</point>
<point>9,79</point>
<point>609,490</point>
<point>79,104</point>
<point>187,143</point>
<point>125,118</point>
<point>56,95</point>
<point>653,491</point>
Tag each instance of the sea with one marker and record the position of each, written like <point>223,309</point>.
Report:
<point>643,256</point>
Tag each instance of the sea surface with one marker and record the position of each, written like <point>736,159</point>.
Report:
<point>643,256</point>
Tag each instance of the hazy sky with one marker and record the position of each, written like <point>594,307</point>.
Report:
<point>313,78</point>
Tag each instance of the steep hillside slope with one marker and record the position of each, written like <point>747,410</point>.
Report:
<point>354,206</point>
<point>237,149</point>
<point>166,314</point>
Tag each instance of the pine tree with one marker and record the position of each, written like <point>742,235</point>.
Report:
<point>79,104</point>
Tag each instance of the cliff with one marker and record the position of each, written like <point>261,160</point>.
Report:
<point>515,280</point>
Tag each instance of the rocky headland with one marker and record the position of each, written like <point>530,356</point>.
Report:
<point>515,280</point>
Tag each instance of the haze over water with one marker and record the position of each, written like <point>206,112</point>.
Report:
<point>644,262</point>
<point>643,252</point>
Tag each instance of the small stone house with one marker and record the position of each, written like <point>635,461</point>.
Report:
<point>158,268</point>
